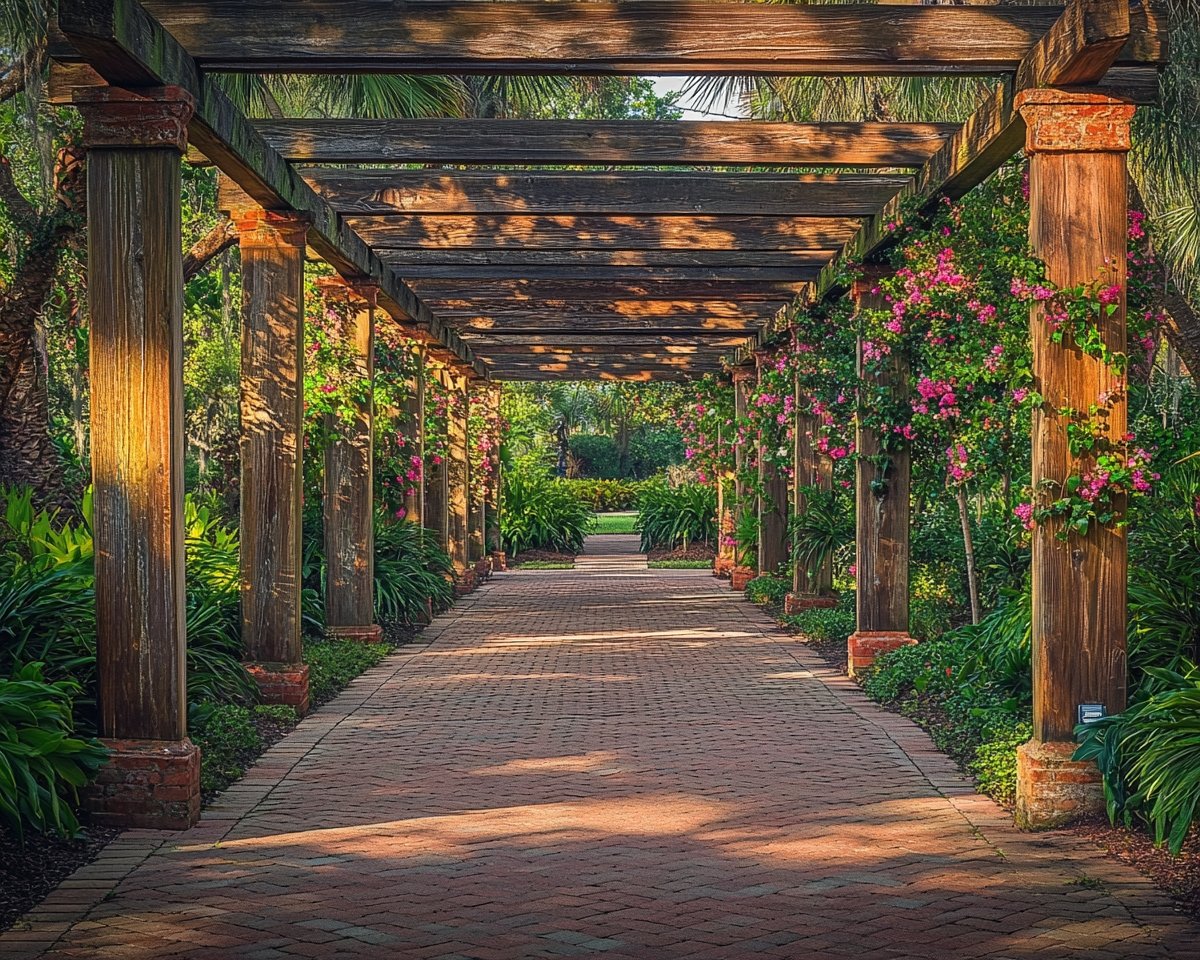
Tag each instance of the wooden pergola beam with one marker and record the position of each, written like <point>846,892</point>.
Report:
<point>603,233</point>
<point>127,47</point>
<point>606,142</point>
<point>636,193</point>
<point>548,323</point>
<point>518,292</point>
<point>528,344</point>
<point>604,37</point>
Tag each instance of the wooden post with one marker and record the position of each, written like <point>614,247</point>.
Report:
<point>477,506</point>
<point>414,428</point>
<point>882,485</point>
<point>743,377</point>
<point>723,562</point>
<point>135,295</point>
<point>773,504</point>
<point>492,506</point>
<point>437,486</point>
<point>272,437</point>
<point>1076,144</point>
<point>458,472</point>
<point>349,494</point>
<point>810,469</point>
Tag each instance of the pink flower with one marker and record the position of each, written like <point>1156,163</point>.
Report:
<point>1024,513</point>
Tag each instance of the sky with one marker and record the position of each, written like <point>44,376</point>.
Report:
<point>691,109</point>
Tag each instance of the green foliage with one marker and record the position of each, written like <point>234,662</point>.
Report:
<point>1150,757</point>
<point>825,624</point>
<point>546,565</point>
<point>596,454</point>
<point>541,513</point>
<point>823,529</point>
<point>676,516</point>
<point>680,564</point>
<point>605,495</point>
<point>411,569</point>
<point>767,590</point>
<point>42,765</point>
<point>615,523</point>
<point>334,663</point>
<point>228,741</point>
<point>994,765</point>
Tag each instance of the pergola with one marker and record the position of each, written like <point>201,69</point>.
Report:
<point>506,270</point>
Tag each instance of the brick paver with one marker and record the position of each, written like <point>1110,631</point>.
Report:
<point>609,761</point>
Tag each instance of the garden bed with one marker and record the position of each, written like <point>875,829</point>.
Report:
<point>695,551</point>
<point>30,870</point>
<point>542,560</point>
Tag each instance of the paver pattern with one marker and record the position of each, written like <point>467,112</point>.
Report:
<point>609,761</point>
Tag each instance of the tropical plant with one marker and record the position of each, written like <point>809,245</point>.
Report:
<point>824,528</point>
<point>411,571</point>
<point>540,513</point>
<point>676,516</point>
<point>1150,757</point>
<point>42,765</point>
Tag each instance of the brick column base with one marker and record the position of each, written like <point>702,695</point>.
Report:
<point>285,683</point>
<point>865,646</point>
<point>483,569</point>
<point>1053,789</point>
<point>740,576</point>
<point>152,784</point>
<point>722,566</point>
<point>799,602</point>
<point>499,561</point>
<point>363,633</point>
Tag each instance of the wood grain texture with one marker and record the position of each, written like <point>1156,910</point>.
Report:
<point>1077,226</point>
<point>349,486</point>
<point>135,301</point>
<point>437,478</point>
<point>881,514</point>
<point>414,432</point>
<point>635,193</point>
<point>605,142</point>
<point>586,290</point>
<point>604,233</point>
<point>685,323</point>
<point>272,418</point>
<point>772,505</point>
<point>601,37</point>
<point>458,471</point>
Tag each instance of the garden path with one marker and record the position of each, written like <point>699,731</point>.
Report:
<point>609,761</point>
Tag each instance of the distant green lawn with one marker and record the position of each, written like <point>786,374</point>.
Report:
<point>679,564</point>
<point>544,565</point>
<point>615,523</point>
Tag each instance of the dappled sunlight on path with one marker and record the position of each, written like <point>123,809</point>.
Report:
<point>605,761</point>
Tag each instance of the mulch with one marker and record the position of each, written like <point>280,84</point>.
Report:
<point>697,551</point>
<point>30,870</point>
<point>541,556</point>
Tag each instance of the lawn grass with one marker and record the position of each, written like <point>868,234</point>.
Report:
<point>614,523</point>
<point>544,565</point>
<point>680,564</point>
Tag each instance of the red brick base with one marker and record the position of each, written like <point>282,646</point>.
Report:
<point>740,576</point>
<point>483,569</point>
<point>866,645</point>
<point>722,566</point>
<point>1053,789</point>
<point>154,784</point>
<point>364,633</point>
<point>465,582</point>
<point>798,602</point>
<point>499,561</point>
<point>285,683</point>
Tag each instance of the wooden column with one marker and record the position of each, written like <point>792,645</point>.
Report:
<point>477,507</point>
<point>349,494</point>
<point>135,296</point>
<point>458,471</point>
<point>811,469</point>
<point>414,427</point>
<point>743,377</point>
<point>773,504</point>
<point>882,482</point>
<point>437,480</point>
<point>272,416</point>
<point>1076,144</point>
<point>491,530</point>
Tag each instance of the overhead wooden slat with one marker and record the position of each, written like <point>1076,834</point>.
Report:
<point>496,345</point>
<point>550,322</point>
<point>586,311</point>
<point>636,193</point>
<point>517,334</point>
<point>603,233</point>
<point>516,292</point>
<point>606,142</point>
<point>603,37</point>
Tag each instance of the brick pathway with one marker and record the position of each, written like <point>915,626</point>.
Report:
<point>607,762</point>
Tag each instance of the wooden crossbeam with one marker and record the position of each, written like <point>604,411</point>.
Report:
<point>602,37</point>
<point>499,344</point>
<point>127,47</point>
<point>456,310</point>
<point>637,193</point>
<point>609,265</point>
<point>606,142</point>
<point>683,324</point>
<point>622,374</point>
<point>603,233</point>
<point>518,292</point>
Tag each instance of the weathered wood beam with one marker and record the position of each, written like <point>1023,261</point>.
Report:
<point>548,322</point>
<point>606,142</point>
<point>602,233</point>
<point>517,292</point>
<point>604,37</point>
<point>564,372</point>
<point>127,47</point>
<point>526,346</point>
<point>587,311</point>
<point>637,193</point>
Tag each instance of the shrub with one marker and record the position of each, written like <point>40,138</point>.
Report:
<point>767,590</point>
<point>228,741</point>
<point>411,569</point>
<point>824,528</point>
<point>334,663</point>
<point>603,496</point>
<point>42,766</point>
<point>596,454</point>
<point>676,516</point>
<point>541,513</point>
<point>825,624</point>
<point>1150,757</point>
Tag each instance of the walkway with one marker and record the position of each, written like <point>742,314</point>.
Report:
<point>613,762</point>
